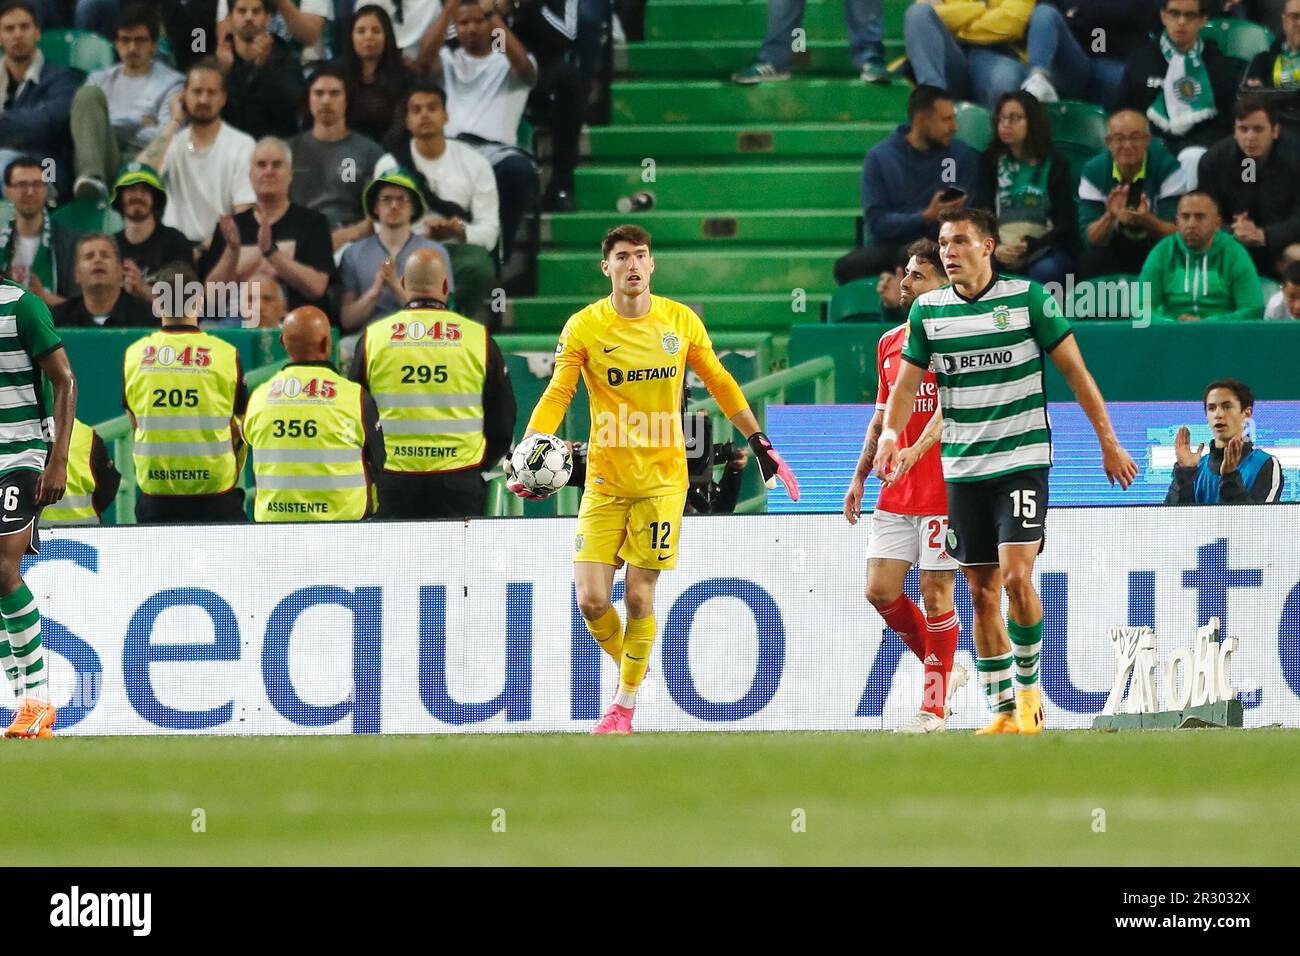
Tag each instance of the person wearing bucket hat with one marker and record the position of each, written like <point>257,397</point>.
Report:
<point>372,268</point>
<point>145,244</point>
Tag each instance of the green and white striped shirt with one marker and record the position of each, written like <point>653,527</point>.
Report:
<point>26,398</point>
<point>987,356</point>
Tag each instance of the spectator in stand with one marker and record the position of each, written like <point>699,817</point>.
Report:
<point>1128,197</point>
<point>205,165</point>
<point>1184,85</point>
<point>372,269</point>
<point>276,240</point>
<point>35,252</point>
<point>486,93</point>
<point>263,78</point>
<point>863,19</point>
<point>411,21</point>
<point>103,302</point>
<point>1235,472</point>
<point>1284,306</point>
<point>182,18</point>
<point>145,244</point>
<point>378,78</point>
<point>1254,175</point>
<point>1279,66</point>
<point>547,29</point>
<point>1030,189</point>
<point>1200,273</point>
<point>1077,48</point>
<point>904,182</point>
<point>300,23</point>
<point>35,95</point>
<point>458,188</point>
<point>969,49</point>
<point>332,164</point>
<point>121,108</point>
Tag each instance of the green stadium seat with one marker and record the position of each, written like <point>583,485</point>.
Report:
<point>973,125</point>
<point>80,49</point>
<point>855,301</point>
<point>88,215</point>
<point>1078,123</point>
<point>1240,39</point>
<point>6,213</point>
<point>1269,287</point>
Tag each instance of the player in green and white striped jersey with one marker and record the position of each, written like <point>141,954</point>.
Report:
<point>985,335</point>
<point>38,399</point>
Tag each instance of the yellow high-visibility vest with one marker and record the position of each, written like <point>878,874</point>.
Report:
<point>181,388</point>
<point>76,507</point>
<point>307,434</point>
<point>426,369</point>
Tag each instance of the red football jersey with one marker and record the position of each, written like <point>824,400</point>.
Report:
<point>921,492</point>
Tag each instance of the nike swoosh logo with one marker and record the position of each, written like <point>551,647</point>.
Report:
<point>9,520</point>
<point>1026,524</point>
<point>663,557</point>
<point>607,351</point>
<point>631,658</point>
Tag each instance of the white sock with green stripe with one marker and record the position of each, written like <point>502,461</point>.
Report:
<point>1026,645</point>
<point>12,670</point>
<point>23,623</point>
<point>995,675</point>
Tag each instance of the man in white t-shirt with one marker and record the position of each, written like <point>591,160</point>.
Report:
<point>459,190</point>
<point>486,94</point>
<point>205,166</point>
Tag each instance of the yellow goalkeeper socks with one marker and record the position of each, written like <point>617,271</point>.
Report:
<point>637,641</point>
<point>608,632</point>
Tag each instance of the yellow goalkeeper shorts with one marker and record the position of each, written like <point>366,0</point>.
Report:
<point>641,531</point>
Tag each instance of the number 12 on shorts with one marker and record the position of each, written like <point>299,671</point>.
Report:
<point>1023,503</point>
<point>659,532</point>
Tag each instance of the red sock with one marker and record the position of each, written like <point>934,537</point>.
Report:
<point>906,618</point>
<point>940,646</point>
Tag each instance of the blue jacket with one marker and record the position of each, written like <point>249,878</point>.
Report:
<point>898,181</point>
<point>1257,480</point>
<point>36,122</point>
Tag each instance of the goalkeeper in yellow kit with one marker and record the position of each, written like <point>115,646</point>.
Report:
<point>631,349</point>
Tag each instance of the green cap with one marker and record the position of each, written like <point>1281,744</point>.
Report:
<point>137,173</point>
<point>394,177</point>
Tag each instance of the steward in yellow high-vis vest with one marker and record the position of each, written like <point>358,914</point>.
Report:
<point>313,433</point>
<point>445,402</point>
<point>183,390</point>
<point>93,480</point>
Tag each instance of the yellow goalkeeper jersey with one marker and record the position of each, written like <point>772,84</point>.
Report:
<point>634,370</point>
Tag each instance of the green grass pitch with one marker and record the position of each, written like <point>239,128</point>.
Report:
<point>1168,798</point>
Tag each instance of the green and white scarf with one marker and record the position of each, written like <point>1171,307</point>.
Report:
<point>43,264</point>
<point>1186,98</point>
<point>1022,191</point>
<point>1286,69</point>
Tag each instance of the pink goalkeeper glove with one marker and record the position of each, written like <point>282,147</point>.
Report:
<point>772,466</point>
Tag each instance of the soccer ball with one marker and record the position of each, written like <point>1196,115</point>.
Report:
<point>542,464</point>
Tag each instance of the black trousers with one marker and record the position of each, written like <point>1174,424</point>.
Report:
<point>225,508</point>
<point>558,101</point>
<point>457,494</point>
<point>1121,255</point>
<point>869,260</point>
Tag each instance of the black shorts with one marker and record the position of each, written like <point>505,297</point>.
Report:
<point>18,509</point>
<point>1011,509</point>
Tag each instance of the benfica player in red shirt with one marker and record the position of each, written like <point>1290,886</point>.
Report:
<point>909,524</point>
